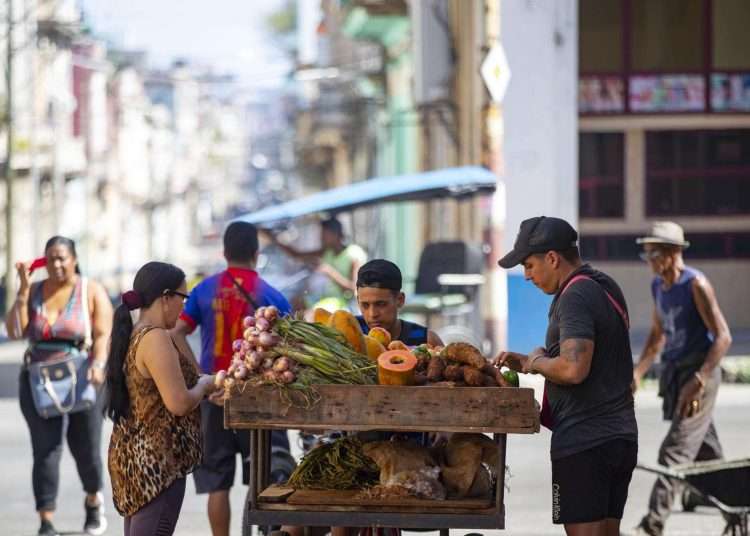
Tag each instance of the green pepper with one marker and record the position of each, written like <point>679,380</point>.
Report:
<point>421,351</point>
<point>511,376</point>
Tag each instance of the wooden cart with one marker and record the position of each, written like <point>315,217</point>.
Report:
<point>494,410</point>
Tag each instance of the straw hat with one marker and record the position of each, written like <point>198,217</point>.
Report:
<point>665,232</point>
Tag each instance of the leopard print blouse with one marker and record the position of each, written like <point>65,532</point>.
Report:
<point>151,448</point>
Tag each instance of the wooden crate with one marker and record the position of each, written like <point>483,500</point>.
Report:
<point>382,407</point>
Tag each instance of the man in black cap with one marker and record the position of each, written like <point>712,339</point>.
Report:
<point>379,297</point>
<point>587,366</point>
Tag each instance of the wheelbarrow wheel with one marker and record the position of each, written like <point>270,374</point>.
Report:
<point>689,501</point>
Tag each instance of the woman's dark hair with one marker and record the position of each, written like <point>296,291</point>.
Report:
<point>149,284</point>
<point>240,241</point>
<point>58,240</point>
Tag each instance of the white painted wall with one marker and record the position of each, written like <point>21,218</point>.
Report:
<point>540,111</point>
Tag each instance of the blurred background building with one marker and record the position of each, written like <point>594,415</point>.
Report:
<point>617,113</point>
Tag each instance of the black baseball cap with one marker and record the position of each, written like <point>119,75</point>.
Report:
<point>379,273</point>
<point>540,235</point>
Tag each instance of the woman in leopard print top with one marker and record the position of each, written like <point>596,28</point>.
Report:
<point>153,395</point>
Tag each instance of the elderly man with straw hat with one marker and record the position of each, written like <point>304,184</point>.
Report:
<point>690,332</point>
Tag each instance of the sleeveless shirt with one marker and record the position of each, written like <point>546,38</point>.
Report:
<point>683,326</point>
<point>151,447</point>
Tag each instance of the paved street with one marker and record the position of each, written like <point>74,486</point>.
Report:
<point>527,503</point>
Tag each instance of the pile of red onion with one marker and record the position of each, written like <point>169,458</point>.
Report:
<point>254,357</point>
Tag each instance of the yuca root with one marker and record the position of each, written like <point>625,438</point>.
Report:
<point>465,353</point>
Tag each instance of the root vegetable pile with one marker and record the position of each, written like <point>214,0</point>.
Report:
<point>458,364</point>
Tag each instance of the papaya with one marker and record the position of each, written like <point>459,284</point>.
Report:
<point>321,316</point>
<point>345,323</point>
<point>382,335</point>
<point>397,368</point>
<point>374,348</point>
<point>397,345</point>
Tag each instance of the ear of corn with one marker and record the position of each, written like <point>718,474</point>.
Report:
<point>345,323</point>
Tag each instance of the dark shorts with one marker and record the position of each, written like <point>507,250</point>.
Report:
<point>220,448</point>
<point>593,485</point>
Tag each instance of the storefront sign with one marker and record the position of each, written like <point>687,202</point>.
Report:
<point>730,92</point>
<point>601,94</point>
<point>667,93</point>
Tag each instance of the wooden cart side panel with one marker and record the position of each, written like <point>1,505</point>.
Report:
<point>359,407</point>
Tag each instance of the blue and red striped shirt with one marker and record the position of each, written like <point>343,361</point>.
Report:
<point>218,307</point>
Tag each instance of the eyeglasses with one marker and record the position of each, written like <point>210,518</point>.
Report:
<point>182,295</point>
<point>650,255</point>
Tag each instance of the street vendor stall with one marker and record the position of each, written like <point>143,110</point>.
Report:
<point>495,410</point>
<point>291,374</point>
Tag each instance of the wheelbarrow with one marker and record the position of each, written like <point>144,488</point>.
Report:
<point>722,484</point>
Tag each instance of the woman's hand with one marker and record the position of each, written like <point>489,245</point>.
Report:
<point>207,384</point>
<point>96,375</point>
<point>23,273</point>
<point>217,397</point>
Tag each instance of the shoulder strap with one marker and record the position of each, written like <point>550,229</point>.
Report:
<point>135,341</point>
<point>87,340</point>
<point>244,293</point>
<point>619,308</point>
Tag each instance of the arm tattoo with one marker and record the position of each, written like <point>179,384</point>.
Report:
<point>574,349</point>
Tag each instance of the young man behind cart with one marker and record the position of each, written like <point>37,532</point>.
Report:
<point>380,296</point>
<point>587,366</point>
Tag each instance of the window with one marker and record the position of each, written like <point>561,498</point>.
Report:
<point>664,56</point>
<point>601,184</point>
<point>668,35</point>
<point>622,247</point>
<point>731,20</point>
<point>600,36</point>
<point>698,172</point>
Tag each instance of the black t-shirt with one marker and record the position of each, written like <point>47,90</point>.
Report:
<point>600,408</point>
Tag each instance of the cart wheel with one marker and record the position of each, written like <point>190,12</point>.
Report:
<point>688,500</point>
<point>474,534</point>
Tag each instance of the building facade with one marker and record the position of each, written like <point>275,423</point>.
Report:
<point>664,134</point>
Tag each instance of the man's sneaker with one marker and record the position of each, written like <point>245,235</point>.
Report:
<point>47,529</point>
<point>96,523</point>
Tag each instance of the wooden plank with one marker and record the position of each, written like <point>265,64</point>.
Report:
<point>381,407</point>
<point>352,498</point>
<point>286,507</point>
<point>275,493</point>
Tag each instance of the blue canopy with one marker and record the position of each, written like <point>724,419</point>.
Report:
<point>449,182</point>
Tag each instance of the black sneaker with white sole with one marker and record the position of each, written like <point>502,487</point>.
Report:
<point>96,523</point>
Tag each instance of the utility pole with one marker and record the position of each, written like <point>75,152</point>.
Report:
<point>9,264</point>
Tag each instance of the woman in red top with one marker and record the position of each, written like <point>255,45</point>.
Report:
<point>64,308</point>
